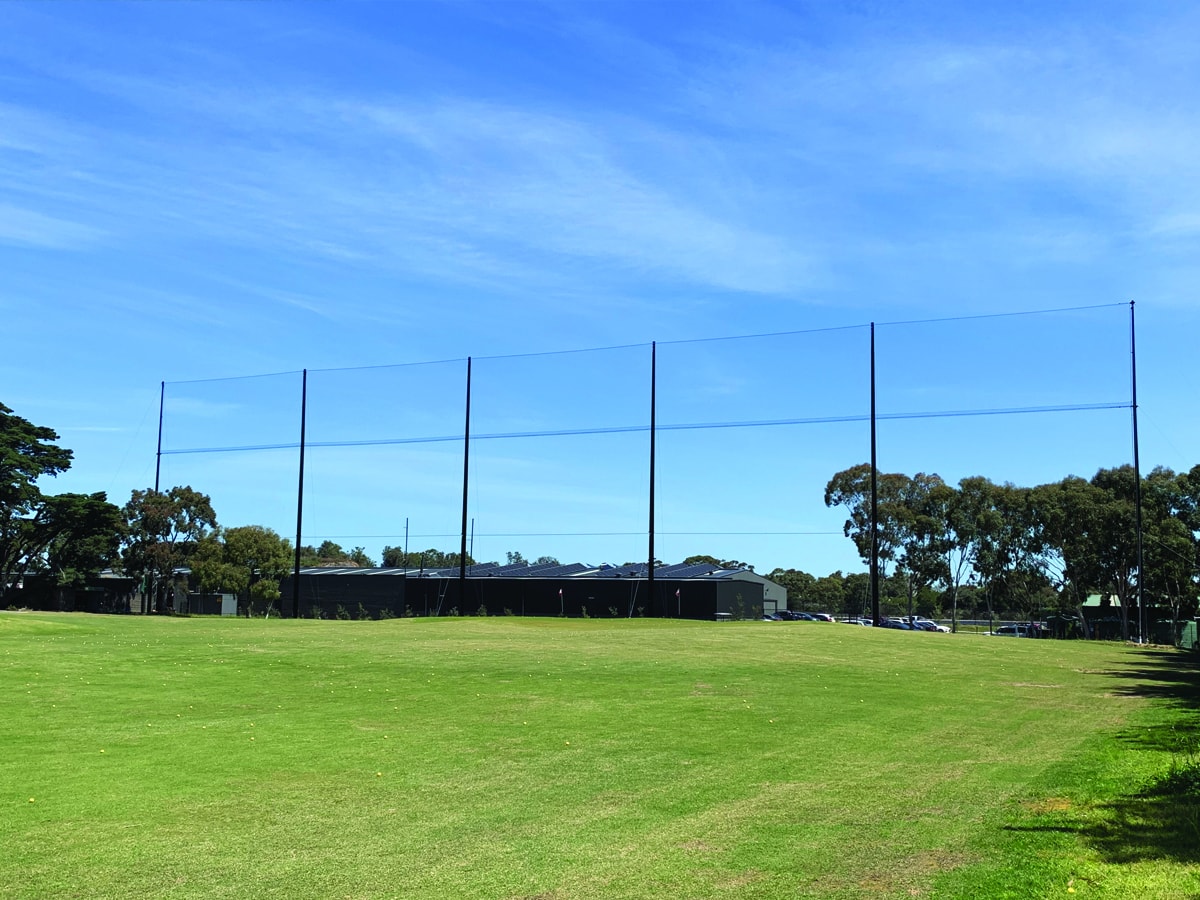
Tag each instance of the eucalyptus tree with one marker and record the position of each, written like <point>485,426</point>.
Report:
<point>1115,538</point>
<point>330,553</point>
<point>1170,540</point>
<point>997,527</point>
<point>921,533</point>
<point>397,558</point>
<point>953,539</point>
<point>851,488</point>
<point>249,559</point>
<point>797,583</point>
<point>163,531</point>
<point>1070,514</point>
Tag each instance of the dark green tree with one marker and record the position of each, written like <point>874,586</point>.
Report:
<point>69,537</point>
<point>27,453</point>
<point>707,560</point>
<point>396,558</point>
<point>163,531</point>
<point>921,534</point>
<point>799,586</point>
<point>851,488</point>
<point>330,553</point>
<point>81,533</point>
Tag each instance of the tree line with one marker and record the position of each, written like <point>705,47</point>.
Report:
<point>1019,550</point>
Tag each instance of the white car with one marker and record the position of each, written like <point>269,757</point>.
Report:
<point>926,624</point>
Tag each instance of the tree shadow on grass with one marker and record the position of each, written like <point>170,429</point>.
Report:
<point>1162,820</point>
<point>1171,676</point>
<point>1162,674</point>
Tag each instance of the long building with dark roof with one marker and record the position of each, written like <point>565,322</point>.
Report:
<point>575,589</point>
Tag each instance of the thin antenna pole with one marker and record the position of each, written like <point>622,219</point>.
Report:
<point>462,558</point>
<point>1137,476</point>
<point>653,427</point>
<point>162,393</point>
<point>874,496</point>
<point>300,496</point>
<point>406,542</point>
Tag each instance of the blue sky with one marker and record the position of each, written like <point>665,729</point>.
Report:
<point>208,190</point>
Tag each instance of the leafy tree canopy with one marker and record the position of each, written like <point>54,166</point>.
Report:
<point>396,558</point>
<point>249,558</point>
<point>164,530</point>
<point>330,553</point>
<point>66,535</point>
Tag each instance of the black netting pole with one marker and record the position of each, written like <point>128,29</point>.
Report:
<point>1137,477</point>
<point>462,561</point>
<point>162,394</point>
<point>653,425</point>
<point>874,497</point>
<point>300,496</point>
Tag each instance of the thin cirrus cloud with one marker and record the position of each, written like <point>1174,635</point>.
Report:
<point>473,184</point>
<point>30,228</point>
<point>454,188</point>
<point>1005,112</point>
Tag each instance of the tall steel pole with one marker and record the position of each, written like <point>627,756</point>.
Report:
<point>162,394</point>
<point>462,559</point>
<point>653,435</point>
<point>1137,476</point>
<point>300,496</point>
<point>874,496</point>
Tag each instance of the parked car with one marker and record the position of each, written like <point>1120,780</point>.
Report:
<point>895,623</point>
<point>927,625</point>
<point>787,615</point>
<point>822,617</point>
<point>1012,631</point>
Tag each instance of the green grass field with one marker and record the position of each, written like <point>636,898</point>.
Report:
<point>564,759</point>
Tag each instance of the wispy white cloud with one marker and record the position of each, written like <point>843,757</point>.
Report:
<point>30,228</point>
<point>456,187</point>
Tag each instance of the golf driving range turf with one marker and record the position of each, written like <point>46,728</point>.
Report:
<point>562,759</point>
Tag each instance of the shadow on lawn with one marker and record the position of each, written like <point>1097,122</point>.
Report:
<point>1162,820</point>
<point>1172,675</point>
